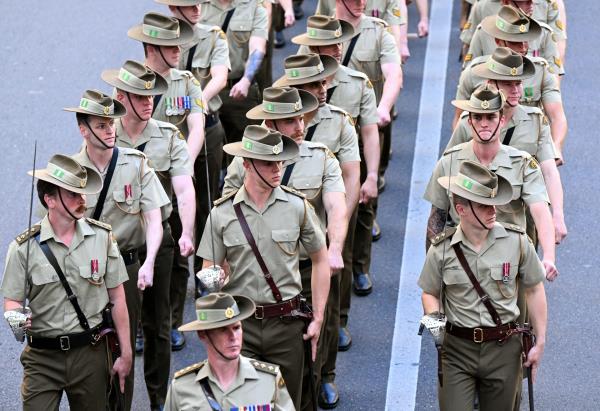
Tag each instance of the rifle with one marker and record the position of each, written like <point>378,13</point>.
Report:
<point>116,399</point>
<point>528,343</point>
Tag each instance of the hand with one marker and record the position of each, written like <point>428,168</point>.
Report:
<point>368,190</point>
<point>560,161</point>
<point>423,28</point>
<point>404,52</point>
<point>551,270</point>
<point>239,91</point>
<point>146,275</point>
<point>121,367</point>
<point>186,245</point>
<point>289,18</point>
<point>312,333</point>
<point>560,229</point>
<point>384,117</point>
<point>534,357</point>
<point>336,262</point>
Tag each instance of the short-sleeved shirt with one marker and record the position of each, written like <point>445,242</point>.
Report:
<point>335,129</point>
<point>287,221</point>
<point>462,304</point>
<point>172,105</point>
<point>354,93</point>
<point>531,133</point>
<point>517,166</point>
<point>248,20</point>
<point>211,51</point>
<point>375,46</point>
<point>254,387</point>
<point>540,89</point>
<point>166,152</point>
<point>134,189</point>
<point>387,10</point>
<point>91,264</point>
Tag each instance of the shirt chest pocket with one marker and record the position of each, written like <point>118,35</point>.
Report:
<point>286,239</point>
<point>369,60</point>
<point>127,198</point>
<point>158,158</point>
<point>93,271</point>
<point>240,29</point>
<point>506,279</point>
<point>44,275</point>
<point>234,237</point>
<point>310,186</point>
<point>455,277</point>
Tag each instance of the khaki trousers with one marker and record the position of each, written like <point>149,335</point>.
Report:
<point>346,274</point>
<point>133,297</point>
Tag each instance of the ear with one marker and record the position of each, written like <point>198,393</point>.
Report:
<point>270,124</point>
<point>50,201</point>
<point>120,94</point>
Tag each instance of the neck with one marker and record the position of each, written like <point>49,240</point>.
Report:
<point>133,126</point>
<point>63,228</point>
<point>158,65</point>
<point>486,153</point>
<point>224,371</point>
<point>345,15</point>
<point>508,112</point>
<point>475,234</point>
<point>99,157</point>
<point>257,193</point>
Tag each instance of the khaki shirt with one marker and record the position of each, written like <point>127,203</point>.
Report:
<point>181,84</point>
<point>518,167</point>
<point>211,50</point>
<point>256,384</point>
<point>166,152</point>
<point>354,93</point>
<point>287,221</point>
<point>335,129</point>
<point>52,313</point>
<point>531,133</point>
<point>462,304</point>
<point>249,19</point>
<point>540,89</point>
<point>134,189</point>
<point>387,10</point>
<point>374,47</point>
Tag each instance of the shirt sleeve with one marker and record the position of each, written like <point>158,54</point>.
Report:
<point>550,53</point>
<point>14,270</point>
<point>195,93</point>
<point>435,193</point>
<point>469,28</point>
<point>333,182</point>
<point>531,270</point>
<point>348,142</point>
<point>389,51</point>
<point>534,187</point>
<point>475,48</point>
<point>461,133</point>
<point>554,21</point>
<point>220,52</point>
<point>392,14</point>
<point>260,24</point>
<point>180,158</point>
<point>205,250</point>
<point>311,234</point>
<point>550,88</point>
<point>465,85</point>
<point>235,176</point>
<point>430,279</point>
<point>172,403</point>
<point>545,150</point>
<point>116,272</point>
<point>153,193</point>
<point>368,105</point>
<point>282,399</point>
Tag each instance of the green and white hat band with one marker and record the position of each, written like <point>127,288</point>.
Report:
<point>500,68</point>
<point>134,81</point>
<point>260,148</point>
<point>507,27</point>
<point>304,72</point>
<point>66,177</point>
<point>472,186</point>
<point>216,315</point>
<point>281,108</point>
<point>494,104</point>
<point>322,34</point>
<point>95,108</point>
<point>159,33</point>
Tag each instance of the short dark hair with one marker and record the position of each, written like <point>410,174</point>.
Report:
<point>81,118</point>
<point>145,45</point>
<point>43,188</point>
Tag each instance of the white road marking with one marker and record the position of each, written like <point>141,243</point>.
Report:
<point>406,348</point>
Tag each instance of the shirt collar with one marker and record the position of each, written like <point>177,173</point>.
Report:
<point>245,372</point>
<point>82,229</point>
<point>242,196</point>
<point>151,130</point>
<point>498,231</point>
<point>502,158</point>
<point>519,114</point>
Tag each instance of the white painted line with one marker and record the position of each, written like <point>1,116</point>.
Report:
<point>406,345</point>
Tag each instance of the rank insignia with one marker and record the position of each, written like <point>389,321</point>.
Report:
<point>558,61</point>
<point>533,164</point>
<point>468,57</point>
<point>281,382</point>
<point>467,25</point>
<point>396,12</point>
<point>196,82</point>
<point>222,34</point>
<point>505,272</point>
<point>369,84</point>
<point>199,103</point>
<point>560,25</point>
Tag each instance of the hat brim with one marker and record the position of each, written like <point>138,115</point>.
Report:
<point>488,25</point>
<point>290,150</point>
<point>186,34</point>
<point>179,3</point>
<point>112,77</point>
<point>330,66</point>
<point>309,103</point>
<point>120,111</point>
<point>465,106</point>
<point>347,34</point>
<point>503,196</point>
<point>245,305</point>
<point>93,185</point>
<point>483,71</point>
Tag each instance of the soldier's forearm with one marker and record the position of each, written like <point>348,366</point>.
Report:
<point>195,139</point>
<point>370,138</point>
<point>538,311</point>
<point>543,223</point>
<point>351,177</point>
<point>120,318</point>
<point>186,204</point>
<point>320,279</point>
<point>217,82</point>
<point>431,303</point>
<point>392,73</point>
<point>337,223</point>
<point>553,186</point>
<point>558,123</point>
<point>154,233</point>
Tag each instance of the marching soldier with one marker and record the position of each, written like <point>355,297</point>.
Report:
<point>477,268</point>
<point>130,202</point>
<point>166,150</point>
<point>227,378</point>
<point>260,229</point>
<point>71,269</point>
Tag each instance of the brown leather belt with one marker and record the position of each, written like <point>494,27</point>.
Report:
<point>277,310</point>
<point>481,334</point>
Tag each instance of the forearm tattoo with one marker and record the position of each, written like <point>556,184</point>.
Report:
<point>435,224</point>
<point>254,62</point>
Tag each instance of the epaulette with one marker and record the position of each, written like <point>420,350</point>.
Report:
<point>27,234</point>
<point>532,110</point>
<point>447,233</point>
<point>538,60</point>
<point>479,60</point>
<point>356,73</point>
<point>454,149</point>
<point>344,112</point>
<point>187,370</point>
<point>292,191</point>
<point>513,227</point>
<point>515,152</point>
<point>226,197</point>
<point>97,223</point>
<point>176,132</point>
<point>219,32</point>
<point>545,26</point>
<point>378,20</point>
<point>315,145</point>
<point>464,114</point>
<point>131,151</point>
<point>265,367</point>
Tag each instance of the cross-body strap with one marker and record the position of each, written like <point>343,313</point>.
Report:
<point>228,16</point>
<point>261,262</point>
<point>188,65</point>
<point>330,92</point>
<point>106,184</point>
<point>311,132</point>
<point>483,296</point>
<point>210,397</point>
<point>350,50</point>
<point>155,101</point>
<point>287,174</point>
<point>70,296</point>
<point>508,136</point>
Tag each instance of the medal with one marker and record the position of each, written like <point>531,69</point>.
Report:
<point>168,111</point>
<point>94,270</point>
<point>505,272</point>
<point>180,109</point>
<point>375,13</point>
<point>128,193</point>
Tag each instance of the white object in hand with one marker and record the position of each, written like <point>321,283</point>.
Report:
<point>17,319</point>
<point>210,278</point>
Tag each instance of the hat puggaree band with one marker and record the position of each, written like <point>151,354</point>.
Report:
<point>260,148</point>
<point>159,32</point>
<point>215,315</point>
<point>304,72</point>
<point>281,108</point>
<point>94,107</point>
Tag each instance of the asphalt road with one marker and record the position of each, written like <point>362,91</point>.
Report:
<point>52,51</point>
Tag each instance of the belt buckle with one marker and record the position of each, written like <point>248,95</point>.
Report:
<point>262,312</point>
<point>65,343</point>
<point>480,339</point>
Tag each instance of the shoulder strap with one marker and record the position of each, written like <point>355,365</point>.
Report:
<point>70,296</point>
<point>188,65</point>
<point>106,184</point>
<point>156,100</point>
<point>210,397</point>
<point>142,147</point>
<point>330,92</point>
<point>225,25</point>
<point>350,50</point>
<point>485,299</point>
<point>508,136</point>
<point>287,174</point>
<point>261,262</point>
<point>311,132</point>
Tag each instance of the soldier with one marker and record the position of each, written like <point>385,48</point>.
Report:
<point>526,129</point>
<point>316,174</point>
<point>476,269</point>
<point>166,151</point>
<point>485,118</point>
<point>130,202</point>
<point>245,24</point>
<point>259,229</point>
<point>227,378</point>
<point>60,342</point>
<point>541,90</point>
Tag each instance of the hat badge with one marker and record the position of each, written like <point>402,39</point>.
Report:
<point>276,149</point>
<point>522,28</point>
<point>338,33</point>
<point>148,85</point>
<point>513,71</point>
<point>107,110</point>
<point>297,105</point>
<point>229,313</point>
<point>485,104</point>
